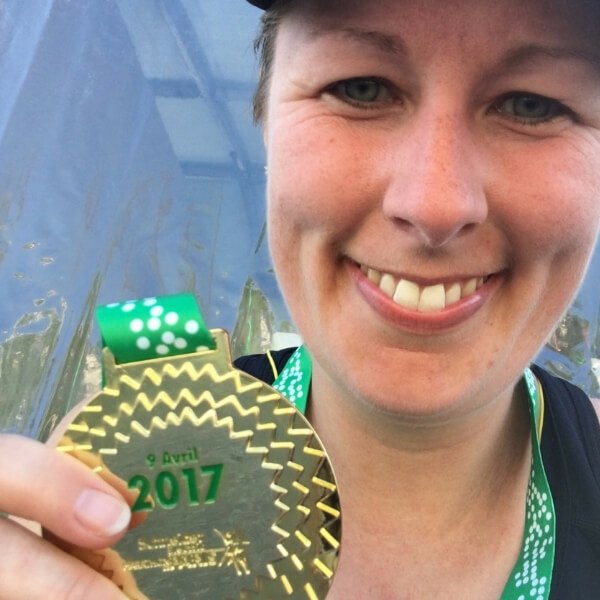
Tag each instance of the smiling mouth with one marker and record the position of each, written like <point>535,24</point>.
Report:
<point>423,298</point>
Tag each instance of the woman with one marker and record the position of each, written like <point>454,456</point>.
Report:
<point>433,200</point>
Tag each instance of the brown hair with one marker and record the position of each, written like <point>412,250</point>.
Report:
<point>264,46</point>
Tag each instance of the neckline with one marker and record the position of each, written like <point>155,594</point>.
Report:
<point>531,576</point>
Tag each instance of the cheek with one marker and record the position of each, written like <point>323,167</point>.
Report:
<point>550,201</point>
<point>317,177</point>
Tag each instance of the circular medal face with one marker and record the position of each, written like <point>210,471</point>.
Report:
<point>232,493</point>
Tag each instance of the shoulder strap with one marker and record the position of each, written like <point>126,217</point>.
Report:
<point>575,420</point>
<point>571,454</point>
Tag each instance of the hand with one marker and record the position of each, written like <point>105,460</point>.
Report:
<point>69,500</point>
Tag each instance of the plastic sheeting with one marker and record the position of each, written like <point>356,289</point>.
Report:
<point>129,167</point>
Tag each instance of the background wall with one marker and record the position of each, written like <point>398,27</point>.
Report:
<point>129,167</point>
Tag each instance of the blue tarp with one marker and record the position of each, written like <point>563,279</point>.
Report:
<point>129,167</point>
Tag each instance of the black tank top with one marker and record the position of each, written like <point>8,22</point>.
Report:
<point>571,454</point>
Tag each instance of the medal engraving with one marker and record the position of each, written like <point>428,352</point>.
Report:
<point>231,491</point>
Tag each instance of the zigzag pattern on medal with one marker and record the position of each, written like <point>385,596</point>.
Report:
<point>307,496</point>
<point>299,486</point>
<point>107,562</point>
<point>296,547</point>
<point>272,428</point>
<point>309,510</point>
<point>110,407</point>
<point>138,412</point>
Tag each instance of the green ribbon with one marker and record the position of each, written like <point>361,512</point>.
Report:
<point>166,326</point>
<point>532,574</point>
<point>153,328</point>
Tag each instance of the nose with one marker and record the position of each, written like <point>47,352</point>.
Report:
<point>435,190</point>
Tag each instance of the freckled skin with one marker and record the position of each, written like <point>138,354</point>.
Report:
<point>444,186</point>
<point>438,182</point>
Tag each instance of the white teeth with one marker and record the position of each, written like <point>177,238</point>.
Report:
<point>407,294</point>
<point>374,276</point>
<point>423,299</point>
<point>453,294</point>
<point>387,285</point>
<point>433,297</point>
<point>469,287</point>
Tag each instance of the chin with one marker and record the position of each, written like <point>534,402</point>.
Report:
<point>416,405</point>
<point>409,393</point>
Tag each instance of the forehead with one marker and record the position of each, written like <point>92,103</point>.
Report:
<point>495,20</point>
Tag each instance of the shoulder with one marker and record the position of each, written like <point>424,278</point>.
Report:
<point>570,447</point>
<point>569,403</point>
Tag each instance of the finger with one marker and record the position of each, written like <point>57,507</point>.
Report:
<point>65,496</point>
<point>31,568</point>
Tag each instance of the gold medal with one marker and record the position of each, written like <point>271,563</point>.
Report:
<point>232,493</point>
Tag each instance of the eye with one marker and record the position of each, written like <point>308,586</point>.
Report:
<point>361,91</point>
<point>530,109</point>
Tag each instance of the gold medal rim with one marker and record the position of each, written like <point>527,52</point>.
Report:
<point>289,570</point>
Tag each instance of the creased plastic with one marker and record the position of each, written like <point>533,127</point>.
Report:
<point>129,167</point>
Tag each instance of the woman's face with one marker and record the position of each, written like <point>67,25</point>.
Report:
<point>434,189</point>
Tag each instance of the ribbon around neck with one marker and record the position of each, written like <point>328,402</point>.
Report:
<point>531,576</point>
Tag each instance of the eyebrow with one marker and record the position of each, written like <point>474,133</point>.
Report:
<point>529,53</point>
<point>514,59</point>
<point>377,39</point>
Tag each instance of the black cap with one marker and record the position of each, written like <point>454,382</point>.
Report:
<point>264,4</point>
